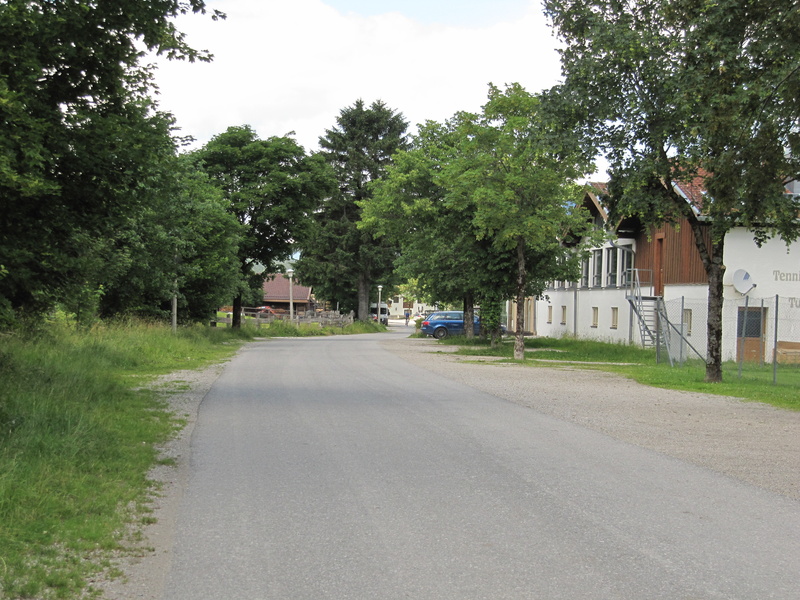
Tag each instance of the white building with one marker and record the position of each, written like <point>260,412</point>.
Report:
<point>761,310</point>
<point>398,305</point>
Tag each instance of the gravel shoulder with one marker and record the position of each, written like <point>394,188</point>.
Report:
<point>146,567</point>
<point>754,443</point>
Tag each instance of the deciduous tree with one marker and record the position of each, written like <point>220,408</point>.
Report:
<point>482,204</point>
<point>515,178</point>
<point>271,186</point>
<point>78,134</point>
<point>439,245</point>
<point>183,242</point>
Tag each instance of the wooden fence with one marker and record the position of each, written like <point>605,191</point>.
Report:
<point>255,316</point>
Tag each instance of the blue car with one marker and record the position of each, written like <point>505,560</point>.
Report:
<point>448,322</point>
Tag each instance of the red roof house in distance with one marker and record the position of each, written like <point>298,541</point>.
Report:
<point>276,293</point>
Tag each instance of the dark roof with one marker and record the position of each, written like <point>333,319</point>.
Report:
<point>276,289</point>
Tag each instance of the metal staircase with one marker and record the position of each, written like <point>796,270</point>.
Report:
<point>655,328</point>
<point>651,314</point>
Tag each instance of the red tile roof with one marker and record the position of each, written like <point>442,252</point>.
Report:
<point>600,188</point>
<point>694,191</point>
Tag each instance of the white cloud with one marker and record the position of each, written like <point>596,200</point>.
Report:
<point>285,66</point>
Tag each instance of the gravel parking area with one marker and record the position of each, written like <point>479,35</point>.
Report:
<point>749,441</point>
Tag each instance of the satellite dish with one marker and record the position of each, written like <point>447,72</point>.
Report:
<point>742,282</point>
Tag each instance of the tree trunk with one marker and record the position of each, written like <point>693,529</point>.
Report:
<point>236,318</point>
<point>519,339</point>
<point>715,273</point>
<point>469,315</point>
<point>363,298</point>
<point>715,270</point>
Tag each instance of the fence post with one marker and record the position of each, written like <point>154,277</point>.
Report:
<point>775,346</point>
<point>683,330</point>
<point>744,332</point>
<point>762,341</point>
<point>658,340</point>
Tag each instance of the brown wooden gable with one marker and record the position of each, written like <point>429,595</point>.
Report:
<point>668,249</point>
<point>674,248</point>
<point>668,255</point>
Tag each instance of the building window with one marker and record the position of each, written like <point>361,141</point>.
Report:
<point>611,267</point>
<point>563,315</point>
<point>550,314</point>
<point>687,321</point>
<point>585,272</point>
<point>751,323</point>
<point>595,316</point>
<point>625,267</point>
<point>614,317</point>
<point>597,273</point>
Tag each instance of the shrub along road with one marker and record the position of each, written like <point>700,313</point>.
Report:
<point>334,468</point>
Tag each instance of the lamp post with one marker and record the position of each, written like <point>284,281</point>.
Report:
<point>290,273</point>
<point>380,287</point>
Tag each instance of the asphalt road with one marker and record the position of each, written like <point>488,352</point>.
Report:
<point>327,468</point>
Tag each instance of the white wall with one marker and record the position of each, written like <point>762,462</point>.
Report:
<point>396,310</point>
<point>774,268</point>
<point>580,314</point>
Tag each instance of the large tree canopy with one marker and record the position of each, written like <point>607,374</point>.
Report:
<point>337,258</point>
<point>78,135</point>
<point>439,244</point>
<point>483,203</point>
<point>271,187</point>
<point>184,242</point>
<point>674,90</point>
<point>516,179</point>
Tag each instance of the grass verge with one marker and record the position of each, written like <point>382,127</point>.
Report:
<point>77,438</point>
<point>755,383</point>
<point>78,435</point>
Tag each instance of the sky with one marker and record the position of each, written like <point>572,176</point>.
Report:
<point>285,66</point>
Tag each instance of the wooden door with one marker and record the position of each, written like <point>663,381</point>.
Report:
<point>658,265</point>
<point>750,333</point>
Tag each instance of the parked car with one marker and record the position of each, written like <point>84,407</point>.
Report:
<point>384,314</point>
<point>448,322</point>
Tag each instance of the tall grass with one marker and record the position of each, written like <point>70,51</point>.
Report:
<point>77,438</point>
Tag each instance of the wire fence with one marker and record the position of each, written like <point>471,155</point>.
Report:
<point>763,332</point>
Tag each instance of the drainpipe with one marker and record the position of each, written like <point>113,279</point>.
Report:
<point>575,311</point>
